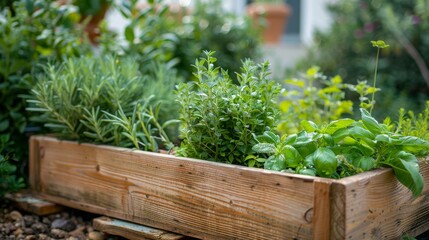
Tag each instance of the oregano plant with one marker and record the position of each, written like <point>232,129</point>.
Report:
<point>219,118</point>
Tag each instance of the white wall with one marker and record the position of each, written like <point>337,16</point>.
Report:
<point>314,15</point>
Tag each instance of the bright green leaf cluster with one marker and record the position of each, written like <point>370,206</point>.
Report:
<point>220,118</point>
<point>345,147</point>
<point>318,98</point>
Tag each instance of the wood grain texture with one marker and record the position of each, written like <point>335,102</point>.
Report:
<point>132,231</point>
<point>191,197</point>
<point>322,209</point>
<point>374,205</point>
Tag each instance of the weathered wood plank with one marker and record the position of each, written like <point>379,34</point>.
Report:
<point>322,209</point>
<point>131,230</point>
<point>191,197</point>
<point>374,205</point>
<point>27,201</point>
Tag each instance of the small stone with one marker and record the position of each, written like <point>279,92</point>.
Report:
<point>46,220</point>
<point>78,232</point>
<point>63,224</point>
<point>43,236</point>
<point>74,238</point>
<point>15,215</point>
<point>29,220</point>
<point>96,235</point>
<point>28,231</point>
<point>18,232</point>
<point>58,233</point>
<point>39,227</point>
<point>30,237</point>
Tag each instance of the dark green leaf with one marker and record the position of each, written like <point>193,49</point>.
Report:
<point>406,168</point>
<point>129,33</point>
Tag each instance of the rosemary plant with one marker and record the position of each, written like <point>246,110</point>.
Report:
<point>102,100</point>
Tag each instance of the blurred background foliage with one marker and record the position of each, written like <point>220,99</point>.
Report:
<point>345,49</point>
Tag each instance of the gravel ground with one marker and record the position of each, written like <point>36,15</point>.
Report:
<point>70,225</point>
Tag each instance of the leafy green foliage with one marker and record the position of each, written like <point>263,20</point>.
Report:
<point>345,147</point>
<point>102,100</point>
<point>343,49</point>
<point>219,118</point>
<point>179,36</point>
<point>319,99</point>
<point>412,124</point>
<point>8,180</point>
<point>31,34</point>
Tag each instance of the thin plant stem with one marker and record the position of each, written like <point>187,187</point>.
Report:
<point>375,80</point>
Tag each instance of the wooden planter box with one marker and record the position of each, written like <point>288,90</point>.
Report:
<point>219,201</point>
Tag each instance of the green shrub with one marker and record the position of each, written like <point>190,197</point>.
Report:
<point>31,34</point>
<point>343,49</point>
<point>178,38</point>
<point>8,180</point>
<point>219,118</point>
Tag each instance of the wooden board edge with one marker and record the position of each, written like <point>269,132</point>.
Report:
<point>34,163</point>
<point>39,139</point>
<point>322,209</point>
<point>337,210</point>
<point>29,202</point>
<point>131,230</point>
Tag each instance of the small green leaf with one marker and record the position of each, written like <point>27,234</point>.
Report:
<point>338,124</point>
<point>129,33</point>
<point>309,126</point>
<point>276,163</point>
<point>264,148</point>
<point>370,123</point>
<point>307,171</point>
<point>379,44</point>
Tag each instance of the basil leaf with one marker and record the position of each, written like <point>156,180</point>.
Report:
<point>370,123</point>
<point>309,126</point>
<point>307,171</point>
<point>325,162</point>
<point>291,156</point>
<point>338,124</point>
<point>264,148</point>
<point>276,163</point>
<point>406,168</point>
<point>366,163</point>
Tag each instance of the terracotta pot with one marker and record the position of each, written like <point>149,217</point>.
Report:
<point>275,15</point>
<point>92,29</point>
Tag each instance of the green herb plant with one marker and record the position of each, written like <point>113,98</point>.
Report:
<point>219,118</point>
<point>344,147</point>
<point>8,179</point>
<point>101,100</point>
<point>32,33</point>
<point>318,98</point>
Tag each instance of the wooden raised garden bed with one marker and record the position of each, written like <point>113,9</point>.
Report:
<point>219,201</point>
